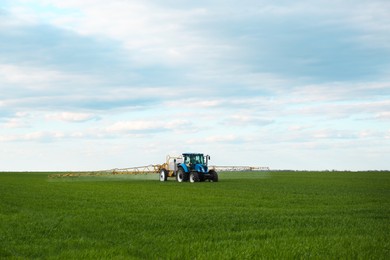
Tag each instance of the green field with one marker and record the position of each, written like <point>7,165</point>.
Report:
<point>244,216</point>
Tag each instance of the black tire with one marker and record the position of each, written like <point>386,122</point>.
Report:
<point>180,175</point>
<point>214,176</point>
<point>163,175</point>
<point>186,176</point>
<point>194,177</point>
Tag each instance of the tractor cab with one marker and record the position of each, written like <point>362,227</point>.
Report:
<point>194,161</point>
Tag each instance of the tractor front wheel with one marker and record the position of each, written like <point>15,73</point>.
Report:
<point>163,175</point>
<point>194,177</point>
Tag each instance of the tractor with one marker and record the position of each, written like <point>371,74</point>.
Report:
<point>191,167</point>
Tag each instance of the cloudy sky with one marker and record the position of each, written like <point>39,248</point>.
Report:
<point>92,84</point>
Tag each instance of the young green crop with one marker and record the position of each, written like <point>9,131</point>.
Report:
<point>244,216</point>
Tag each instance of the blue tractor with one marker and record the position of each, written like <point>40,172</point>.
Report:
<point>191,167</point>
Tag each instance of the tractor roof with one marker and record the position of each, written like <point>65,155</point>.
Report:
<point>192,153</point>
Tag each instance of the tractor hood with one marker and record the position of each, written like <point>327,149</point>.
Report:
<point>200,168</point>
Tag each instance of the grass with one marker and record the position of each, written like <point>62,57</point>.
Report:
<point>244,216</point>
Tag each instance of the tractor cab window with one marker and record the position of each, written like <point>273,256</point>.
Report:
<point>198,158</point>
<point>187,160</point>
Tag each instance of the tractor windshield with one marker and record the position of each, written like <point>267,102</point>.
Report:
<point>194,159</point>
<point>199,159</point>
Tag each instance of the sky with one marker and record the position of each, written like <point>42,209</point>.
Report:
<point>92,84</point>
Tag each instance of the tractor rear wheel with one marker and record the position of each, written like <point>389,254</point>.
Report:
<point>214,176</point>
<point>194,177</point>
<point>163,175</point>
<point>180,175</point>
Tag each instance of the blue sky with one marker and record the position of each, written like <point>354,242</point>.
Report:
<point>89,85</point>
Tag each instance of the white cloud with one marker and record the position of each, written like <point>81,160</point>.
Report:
<point>128,126</point>
<point>158,34</point>
<point>222,139</point>
<point>149,126</point>
<point>15,123</point>
<point>247,120</point>
<point>335,110</point>
<point>387,135</point>
<point>216,139</point>
<point>38,79</point>
<point>19,120</point>
<point>340,91</point>
<point>332,134</point>
<point>18,15</point>
<point>36,136</point>
<point>383,115</point>
<point>194,103</point>
<point>372,17</point>
<point>72,116</point>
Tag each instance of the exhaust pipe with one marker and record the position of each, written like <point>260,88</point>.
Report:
<point>174,167</point>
